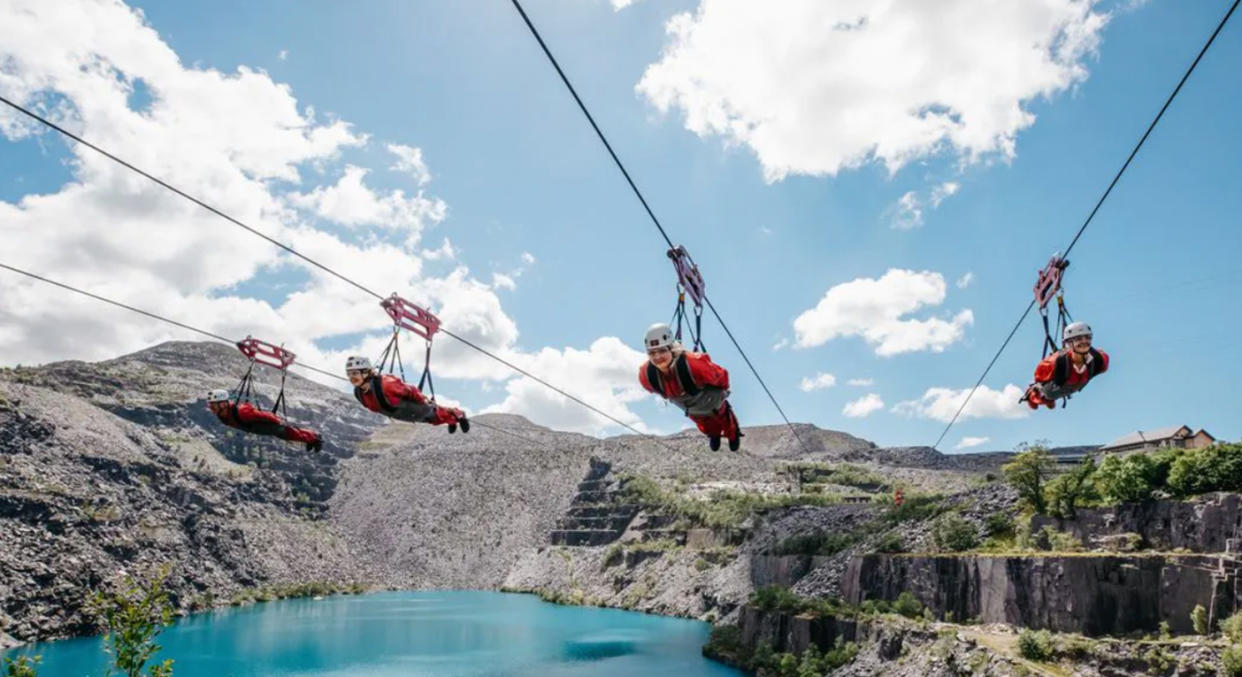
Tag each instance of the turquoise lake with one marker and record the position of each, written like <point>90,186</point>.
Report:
<point>412,633</point>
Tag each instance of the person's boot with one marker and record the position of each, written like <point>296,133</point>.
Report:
<point>315,446</point>
<point>465,423</point>
<point>452,428</point>
<point>735,432</point>
<point>713,441</point>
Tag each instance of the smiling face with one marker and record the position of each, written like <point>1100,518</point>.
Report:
<point>1080,344</point>
<point>358,377</point>
<point>661,357</point>
<point>217,407</point>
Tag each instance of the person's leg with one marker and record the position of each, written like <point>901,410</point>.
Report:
<point>299,435</point>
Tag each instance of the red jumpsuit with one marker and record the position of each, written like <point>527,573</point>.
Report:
<point>709,409</point>
<point>246,417</point>
<point>1049,387</point>
<point>404,402</point>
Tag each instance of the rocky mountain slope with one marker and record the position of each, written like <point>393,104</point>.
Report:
<point>118,465</point>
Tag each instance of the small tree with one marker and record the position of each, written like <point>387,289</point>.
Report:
<point>131,617</point>
<point>1067,492</point>
<point>1198,619</point>
<point>1027,473</point>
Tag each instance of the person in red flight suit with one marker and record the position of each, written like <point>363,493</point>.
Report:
<point>693,382</point>
<point>1068,370</point>
<point>399,399</point>
<point>256,421</point>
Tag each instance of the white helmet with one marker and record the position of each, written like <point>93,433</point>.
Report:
<point>1075,330</point>
<point>218,395</point>
<point>659,335</point>
<point>357,362</point>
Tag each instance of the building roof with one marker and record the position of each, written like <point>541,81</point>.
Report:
<point>1152,436</point>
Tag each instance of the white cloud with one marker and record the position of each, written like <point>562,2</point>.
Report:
<point>814,87</point>
<point>605,375</point>
<point>940,404</point>
<point>965,280</point>
<point>862,382</point>
<point>241,142</point>
<point>618,5</point>
<point>283,55</point>
<point>528,258</point>
<point>944,190</point>
<point>410,159</point>
<point>502,281</point>
<point>969,442</point>
<point>350,202</point>
<point>874,309</point>
<point>819,382</point>
<point>863,406</point>
<point>445,252</point>
<point>907,213</point>
<point>782,344</point>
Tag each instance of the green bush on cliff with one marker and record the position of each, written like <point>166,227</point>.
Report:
<point>1035,645</point>
<point>1232,627</point>
<point>1231,661</point>
<point>954,534</point>
<point>908,605</point>
<point>1127,479</point>
<point>776,598</point>
<point>891,542</point>
<point>22,666</point>
<point>1214,468</point>
<point>1199,620</point>
<point>817,542</point>
<point>725,644</point>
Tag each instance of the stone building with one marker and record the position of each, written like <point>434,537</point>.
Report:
<point>1151,440</point>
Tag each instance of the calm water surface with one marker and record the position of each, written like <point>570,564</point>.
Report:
<point>413,633</point>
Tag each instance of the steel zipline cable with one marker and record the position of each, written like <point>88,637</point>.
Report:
<point>212,335</point>
<point>647,207</point>
<point>42,120</point>
<point>1098,204</point>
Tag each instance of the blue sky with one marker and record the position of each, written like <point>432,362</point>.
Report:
<point>519,171</point>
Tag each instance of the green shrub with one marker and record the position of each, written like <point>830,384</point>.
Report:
<point>913,507</point>
<point>817,543</point>
<point>22,666</point>
<point>1165,631</point>
<point>1127,479</point>
<point>725,641</point>
<point>1035,645</point>
<point>701,565</point>
<point>1215,468</point>
<point>1058,541</point>
<point>1231,661</point>
<point>954,534</point>
<point>775,598</point>
<point>908,605</point>
<point>1232,627</point>
<point>891,542</point>
<point>999,525</point>
<point>612,557</point>
<point>1198,619</point>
